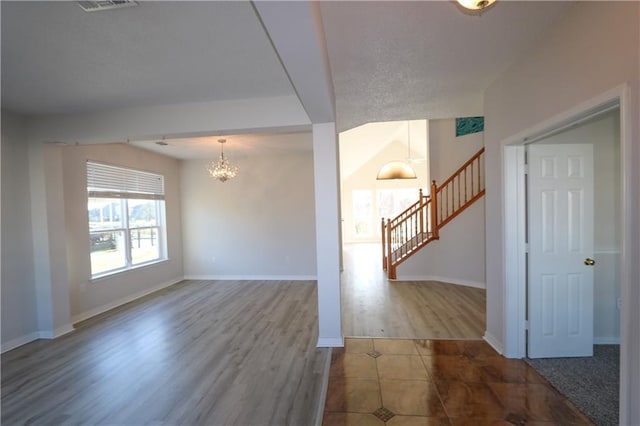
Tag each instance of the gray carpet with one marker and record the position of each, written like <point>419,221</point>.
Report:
<point>592,384</point>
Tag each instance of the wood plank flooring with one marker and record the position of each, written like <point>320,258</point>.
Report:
<point>199,352</point>
<point>375,307</point>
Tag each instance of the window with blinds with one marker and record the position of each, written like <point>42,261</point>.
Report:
<point>126,210</point>
<point>104,180</point>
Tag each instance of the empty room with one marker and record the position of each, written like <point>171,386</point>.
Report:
<point>181,203</point>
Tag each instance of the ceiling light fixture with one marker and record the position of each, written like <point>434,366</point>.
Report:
<point>221,169</point>
<point>94,6</point>
<point>475,4</point>
<point>398,169</point>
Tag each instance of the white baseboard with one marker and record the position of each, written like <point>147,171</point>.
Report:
<point>60,331</point>
<point>323,391</point>
<point>441,279</point>
<point>252,277</point>
<point>104,308</point>
<point>606,340</point>
<point>330,342</point>
<point>19,341</point>
<point>43,334</point>
<point>493,342</point>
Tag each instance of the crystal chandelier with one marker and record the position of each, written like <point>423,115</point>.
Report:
<point>222,170</point>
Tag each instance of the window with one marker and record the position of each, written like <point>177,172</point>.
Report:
<point>392,202</point>
<point>362,213</point>
<point>126,218</point>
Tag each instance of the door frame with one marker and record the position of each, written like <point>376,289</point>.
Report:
<point>514,225</point>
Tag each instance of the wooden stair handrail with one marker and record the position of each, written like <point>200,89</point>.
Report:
<point>420,223</point>
<point>461,169</point>
<point>412,207</point>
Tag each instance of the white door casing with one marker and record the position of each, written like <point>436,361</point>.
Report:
<point>560,225</point>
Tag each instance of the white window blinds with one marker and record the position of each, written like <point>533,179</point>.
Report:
<point>107,181</point>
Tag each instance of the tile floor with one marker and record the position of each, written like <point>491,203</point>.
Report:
<point>438,382</point>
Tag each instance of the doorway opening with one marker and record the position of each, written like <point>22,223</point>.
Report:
<point>439,292</point>
<point>611,320</point>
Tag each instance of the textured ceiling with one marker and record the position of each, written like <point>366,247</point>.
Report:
<point>56,58</point>
<point>424,59</point>
<point>388,60</point>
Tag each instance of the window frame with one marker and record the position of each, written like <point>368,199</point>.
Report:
<point>121,191</point>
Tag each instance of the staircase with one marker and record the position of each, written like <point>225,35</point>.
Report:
<point>421,222</point>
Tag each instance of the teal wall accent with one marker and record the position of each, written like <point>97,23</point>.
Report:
<point>468,125</point>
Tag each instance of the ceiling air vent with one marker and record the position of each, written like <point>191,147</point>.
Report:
<point>94,6</point>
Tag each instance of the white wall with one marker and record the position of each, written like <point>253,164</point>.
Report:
<point>595,48</point>
<point>458,256</point>
<point>88,297</point>
<point>19,314</point>
<point>261,224</point>
<point>448,152</point>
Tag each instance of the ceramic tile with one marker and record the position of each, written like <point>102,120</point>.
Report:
<point>500,369</point>
<point>353,395</point>
<point>537,402</point>
<point>359,346</point>
<point>384,414</point>
<point>470,400</point>
<point>395,346</point>
<point>453,368</point>
<point>350,419</point>
<point>407,367</point>
<point>418,421</point>
<point>466,348</point>
<point>476,349</point>
<point>411,397</point>
<point>466,380</point>
<point>354,366</point>
<point>480,422</point>
<point>438,347</point>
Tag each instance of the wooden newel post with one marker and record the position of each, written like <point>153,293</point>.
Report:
<point>434,210</point>
<point>384,246</point>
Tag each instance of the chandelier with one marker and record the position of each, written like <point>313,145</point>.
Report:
<point>222,170</point>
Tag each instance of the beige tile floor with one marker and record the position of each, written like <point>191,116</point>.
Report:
<point>438,382</point>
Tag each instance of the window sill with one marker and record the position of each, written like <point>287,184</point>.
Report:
<point>113,274</point>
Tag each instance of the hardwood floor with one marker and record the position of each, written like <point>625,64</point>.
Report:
<point>375,307</point>
<point>199,352</point>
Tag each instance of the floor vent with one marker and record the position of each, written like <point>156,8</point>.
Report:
<point>94,6</point>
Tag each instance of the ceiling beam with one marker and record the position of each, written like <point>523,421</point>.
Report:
<point>297,35</point>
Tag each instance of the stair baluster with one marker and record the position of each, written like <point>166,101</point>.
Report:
<point>420,223</point>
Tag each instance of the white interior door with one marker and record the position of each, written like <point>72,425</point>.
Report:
<point>560,278</point>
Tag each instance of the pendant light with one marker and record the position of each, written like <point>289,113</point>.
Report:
<point>398,169</point>
<point>476,4</point>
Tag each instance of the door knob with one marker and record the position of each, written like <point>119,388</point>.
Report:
<point>589,262</point>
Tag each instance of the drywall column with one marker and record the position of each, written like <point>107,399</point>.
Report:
<point>48,233</point>
<point>325,169</point>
